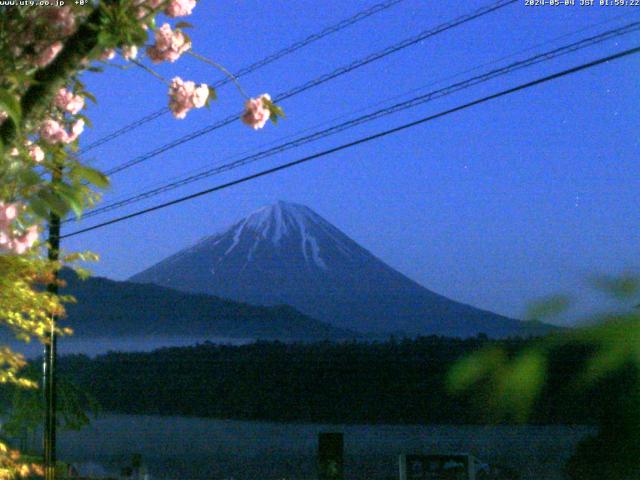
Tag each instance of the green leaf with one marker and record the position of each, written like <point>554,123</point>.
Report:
<point>11,106</point>
<point>86,119</point>
<point>548,307</point>
<point>475,368</point>
<point>29,177</point>
<point>72,196</point>
<point>39,207</point>
<point>89,96</point>
<point>622,287</point>
<point>521,384</point>
<point>277,111</point>
<point>54,202</point>
<point>91,175</point>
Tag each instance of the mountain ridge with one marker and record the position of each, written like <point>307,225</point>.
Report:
<point>114,308</point>
<point>286,253</point>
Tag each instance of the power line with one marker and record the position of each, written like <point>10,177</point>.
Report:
<point>362,140</point>
<point>159,184</point>
<point>320,80</point>
<point>347,22</point>
<point>413,102</point>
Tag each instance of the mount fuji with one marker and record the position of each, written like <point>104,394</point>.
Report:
<point>287,254</point>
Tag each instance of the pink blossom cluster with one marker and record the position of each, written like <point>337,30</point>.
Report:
<point>130,52</point>
<point>61,19</point>
<point>12,240</point>
<point>45,30</point>
<point>68,101</point>
<point>145,7</point>
<point>180,8</point>
<point>256,113</point>
<point>169,45</point>
<point>46,56</point>
<point>35,152</point>
<point>108,54</point>
<point>183,96</point>
<point>60,23</point>
<point>174,8</point>
<point>54,132</point>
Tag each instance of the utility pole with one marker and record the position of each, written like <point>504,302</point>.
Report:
<point>331,456</point>
<point>50,349</point>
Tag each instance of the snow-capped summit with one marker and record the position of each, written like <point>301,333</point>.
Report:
<point>287,254</point>
<point>282,222</point>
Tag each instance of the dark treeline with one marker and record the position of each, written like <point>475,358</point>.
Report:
<point>391,382</point>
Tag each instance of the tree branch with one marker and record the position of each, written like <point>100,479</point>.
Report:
<point>48,80</point>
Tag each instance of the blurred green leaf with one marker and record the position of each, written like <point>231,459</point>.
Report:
<point>91,175</point>
<point>89,96</point>
<point>522,382</point>
<point>72,196</point>
<point>11,106</point>
<point>54,202</point>
<point>622,287</point>
<point>39,207</point>
<point>475,368</point>
<point>29,178</point>
<point>548,307</point>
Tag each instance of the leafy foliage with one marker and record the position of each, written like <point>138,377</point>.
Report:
<point>24,408</point>
<point>607,375</point>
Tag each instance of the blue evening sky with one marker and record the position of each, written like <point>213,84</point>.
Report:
<point>494,206</point>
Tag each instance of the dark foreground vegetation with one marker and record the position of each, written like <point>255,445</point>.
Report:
<point>395,382</point>
<point>391,382</point>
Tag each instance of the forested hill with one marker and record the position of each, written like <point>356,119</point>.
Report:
<point>108,308</point>
<point>392,382</point>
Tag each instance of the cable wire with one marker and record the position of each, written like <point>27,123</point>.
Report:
<point>363,140</point>
<point>320,80</point>
<point>196,171</point>
<point>347,22</point>
<point>413,102</point>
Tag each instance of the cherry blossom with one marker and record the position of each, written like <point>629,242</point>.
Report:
<point>179,8</point>
<point>169,45</point>
<point>21,243</point>
<point>183,96</point>
<point>130,52</point>
<point>76,130</point>
<point>48,54</point>
<point>11,240</point>
<point>68,101</point>
<point>35,152</point>
<point>256,112</point>
<point>144,7</point>
<point>53,132</point>
<point>108,54</point>
<point>8,213</point>
<point>61,18</point>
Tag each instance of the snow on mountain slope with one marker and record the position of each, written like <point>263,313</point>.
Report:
<point>287,254</point>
